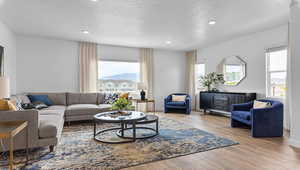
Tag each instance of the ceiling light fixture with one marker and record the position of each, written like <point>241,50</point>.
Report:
<point>94,0</point>
<point>168,42</point>
<point>85,31</point>
<point>212,22</point>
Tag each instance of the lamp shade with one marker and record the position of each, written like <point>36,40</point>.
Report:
<point>142,86</point>
<point>4,88</point>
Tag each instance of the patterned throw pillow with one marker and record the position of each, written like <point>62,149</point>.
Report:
<point>110,98</point>
<point>17,101</point>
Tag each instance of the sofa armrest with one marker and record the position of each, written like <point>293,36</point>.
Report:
<point>242,107</point>
<point>272,113</point>
<point>32,117</point>
<point>267,121</point>
<point>188,101</point>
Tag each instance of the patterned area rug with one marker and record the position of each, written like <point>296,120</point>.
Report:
<point>77,149</point>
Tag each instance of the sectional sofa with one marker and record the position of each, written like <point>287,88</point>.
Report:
<point>45,126</point>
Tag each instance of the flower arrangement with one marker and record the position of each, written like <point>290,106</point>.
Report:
<point>122,104</point>
<point>211,80</point>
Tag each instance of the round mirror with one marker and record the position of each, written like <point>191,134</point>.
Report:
<point>234,70</point>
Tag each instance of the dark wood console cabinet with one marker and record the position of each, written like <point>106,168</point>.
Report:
<point>221,102</point>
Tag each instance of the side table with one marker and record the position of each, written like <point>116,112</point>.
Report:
<point>137,101</point>
<point>8,130</point>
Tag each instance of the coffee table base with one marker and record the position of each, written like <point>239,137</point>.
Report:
<point>121,129</point>
<point>119,133</point>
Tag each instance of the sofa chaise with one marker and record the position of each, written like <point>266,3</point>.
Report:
<point>45,125</point>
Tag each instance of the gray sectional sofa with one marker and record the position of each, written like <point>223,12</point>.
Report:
<point>45,126</point>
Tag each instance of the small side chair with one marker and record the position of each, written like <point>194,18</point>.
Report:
<point>175,106</point>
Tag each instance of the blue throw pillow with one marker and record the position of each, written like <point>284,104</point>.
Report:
<point>40,98</point>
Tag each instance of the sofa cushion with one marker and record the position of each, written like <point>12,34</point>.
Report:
<point>82,109</point>
<point>81,98</point>
<point>100,98</point>
<point>56,107</point>
<point>82,106</point>
<point>49,125</point>
<point>105,107</point>
<point>241,114</point>
<point>49,111</point>
<point>176,103</point>
<point>56,98</point>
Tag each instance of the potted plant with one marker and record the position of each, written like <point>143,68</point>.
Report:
<point>121,105</point>
<point>210,80</point>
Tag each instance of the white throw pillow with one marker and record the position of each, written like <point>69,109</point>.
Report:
<point>261,105</point>
<point>178,98</point>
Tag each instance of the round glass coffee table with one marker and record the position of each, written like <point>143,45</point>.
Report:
<point>131,117</point>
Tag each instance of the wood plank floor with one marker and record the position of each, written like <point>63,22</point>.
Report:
<point>250,154</point>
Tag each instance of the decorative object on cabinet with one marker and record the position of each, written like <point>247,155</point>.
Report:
<point>211,80</point>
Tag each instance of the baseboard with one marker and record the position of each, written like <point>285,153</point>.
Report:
<point>294,142</point>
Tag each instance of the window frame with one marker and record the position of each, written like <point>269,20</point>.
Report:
<point>120,61</point>
<point>269,72</point>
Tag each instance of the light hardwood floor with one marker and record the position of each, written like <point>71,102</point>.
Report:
<point>250,154</point>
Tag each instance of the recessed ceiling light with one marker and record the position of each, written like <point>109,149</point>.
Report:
<point>168,42</point>
<point>85,31</point>
<point>212,22</point>
<point>94,0</point>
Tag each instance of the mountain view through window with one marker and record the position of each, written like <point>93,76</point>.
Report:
<point>118,76</point>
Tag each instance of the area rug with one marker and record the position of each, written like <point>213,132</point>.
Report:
<point>78,150</point>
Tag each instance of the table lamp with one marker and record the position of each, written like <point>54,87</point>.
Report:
<point>4,88</point>
<point>142,87</point>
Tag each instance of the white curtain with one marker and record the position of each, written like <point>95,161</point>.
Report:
<point>287,104</point>
<point>191,57</point>
<point>88,62</point>
<point>146,69</point>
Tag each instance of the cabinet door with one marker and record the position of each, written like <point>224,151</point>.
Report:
<point>205,100</point>
<point>221,102</point>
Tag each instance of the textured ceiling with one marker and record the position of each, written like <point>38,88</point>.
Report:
<point>143,23</point>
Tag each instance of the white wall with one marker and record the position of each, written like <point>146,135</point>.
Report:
<point>47,65</point>
<point>107,52</point>
<point>8,41</point>
<point>250,48</point>
<point>169,75</point>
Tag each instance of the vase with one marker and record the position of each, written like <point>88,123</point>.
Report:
<point>208,88</point>
<point>122,111</point>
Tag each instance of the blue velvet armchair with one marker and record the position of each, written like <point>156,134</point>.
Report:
<point>182,107</point>
<point>266,122</point>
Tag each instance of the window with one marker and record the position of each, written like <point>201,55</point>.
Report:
<point>200,71</point>
<point>118,76</point>
<point>276,72</point>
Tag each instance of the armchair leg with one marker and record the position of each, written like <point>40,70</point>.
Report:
<point>51,148</point>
